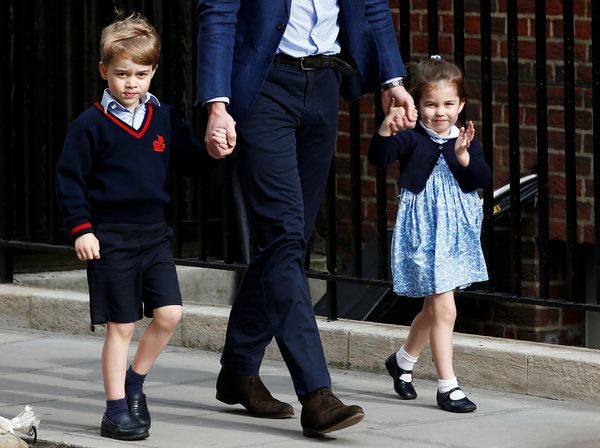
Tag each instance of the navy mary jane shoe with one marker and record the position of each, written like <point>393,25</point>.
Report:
<point>404,389</point>
<point>447,404</point>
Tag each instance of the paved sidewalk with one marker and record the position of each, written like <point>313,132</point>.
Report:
<point>60,377</point>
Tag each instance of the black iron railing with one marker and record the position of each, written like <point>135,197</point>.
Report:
<point>49,55</point>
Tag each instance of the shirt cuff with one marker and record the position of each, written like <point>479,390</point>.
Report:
<point>219,99</point>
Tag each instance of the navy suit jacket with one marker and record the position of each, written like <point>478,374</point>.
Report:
<point>238,39</point>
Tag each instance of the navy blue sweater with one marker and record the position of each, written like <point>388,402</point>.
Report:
<point>418,155</point>
<point>110,172</point>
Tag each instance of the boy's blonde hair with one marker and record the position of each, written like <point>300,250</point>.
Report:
<point>132,37</point>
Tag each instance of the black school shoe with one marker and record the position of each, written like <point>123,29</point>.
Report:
<point>125,427</point>
<point>404,389</point>
<point>447,404</point>
<point>139,408</point>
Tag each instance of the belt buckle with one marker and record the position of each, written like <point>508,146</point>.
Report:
<point>306,69</point>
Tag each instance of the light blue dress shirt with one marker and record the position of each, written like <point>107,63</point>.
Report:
<point>133,119</point>
<point>313,29</point>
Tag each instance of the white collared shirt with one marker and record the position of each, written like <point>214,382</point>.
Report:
<point>133,119</point>
<point>454,132</point>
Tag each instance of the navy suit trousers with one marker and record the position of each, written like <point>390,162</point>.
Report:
<point>285,147</point>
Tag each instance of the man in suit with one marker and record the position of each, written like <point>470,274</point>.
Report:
<point>269,72</point>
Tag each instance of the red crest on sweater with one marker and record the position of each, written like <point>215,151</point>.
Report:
<point>159,143</point>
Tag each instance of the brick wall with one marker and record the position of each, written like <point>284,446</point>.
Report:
<point>527,136</point>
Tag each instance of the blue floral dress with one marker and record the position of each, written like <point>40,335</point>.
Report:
<point>435,245</point>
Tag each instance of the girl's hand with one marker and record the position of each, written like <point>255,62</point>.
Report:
<point>398,119</point>
<point>464,139</point>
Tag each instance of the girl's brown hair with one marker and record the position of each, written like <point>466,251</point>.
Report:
<point>422,75</point>
<point>132,37</point>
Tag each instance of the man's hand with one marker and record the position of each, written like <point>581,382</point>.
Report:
<point>219,120</point>
<point>87,247</point>
<point>401,99</point>
<point>395,121</point>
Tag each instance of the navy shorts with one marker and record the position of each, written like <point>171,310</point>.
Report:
<point>135,273</point>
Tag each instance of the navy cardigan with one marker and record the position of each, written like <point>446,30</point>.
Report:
<point>418,155</point>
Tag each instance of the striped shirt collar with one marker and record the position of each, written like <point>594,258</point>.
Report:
<point>109,102</point>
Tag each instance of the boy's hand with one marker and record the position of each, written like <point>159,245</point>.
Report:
<point>464,139</point>
<point>397,120</point>
<point>87,247</point>
<point>219,136</point>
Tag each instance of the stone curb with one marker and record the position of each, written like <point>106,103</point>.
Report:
<point>528,368</point>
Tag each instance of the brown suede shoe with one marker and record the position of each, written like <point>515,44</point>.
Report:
<point>250,392</point>
<point>323,412</point>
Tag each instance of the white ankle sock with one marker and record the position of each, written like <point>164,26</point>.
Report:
<point>405,362</point>
<point>449,384</point>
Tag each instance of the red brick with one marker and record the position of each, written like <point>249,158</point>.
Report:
<point>499,25</point>
<point>555,50</point>
<point>557,208</point>
<point>583,119</point>
<point>523,25</point>
<point>501,135</point>
<point>527,138</point>
<point>589,234</point>
<point>554,7</point>
<point>582,51</point>
<point>343,187</point>
<point>527,94</point>
<point>446,23</point>
<point>555,94</point>
<point>472,45</point>
<point>556,139</point>
<point>529,116</point>
<point>583,29</point>
<point>445,45</point>
<point>472,24</point>
<point>529,160</point>
<point>555,118</point>
<point>556,26</point>
<point>584,212</point>
<point>583,165</point>
<point>416,21</point>
<point>558,231</point>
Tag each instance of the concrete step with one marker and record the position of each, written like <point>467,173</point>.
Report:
<point>542,370</point>
<point>198,285</point>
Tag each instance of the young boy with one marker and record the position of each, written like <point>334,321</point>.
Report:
<point>112,183</point>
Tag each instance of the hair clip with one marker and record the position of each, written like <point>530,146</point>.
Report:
<point>436,57</point>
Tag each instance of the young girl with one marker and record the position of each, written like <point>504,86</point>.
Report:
<point>435,245</point>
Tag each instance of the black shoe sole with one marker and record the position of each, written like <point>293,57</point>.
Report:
<point>457,410</point>
<point>349,421</point>
<point>229,400</point>
<point>128,437</point>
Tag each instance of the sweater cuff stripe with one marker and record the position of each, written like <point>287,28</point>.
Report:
<point>87,225</point>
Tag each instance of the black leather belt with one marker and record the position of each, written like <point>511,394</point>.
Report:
<point>316,62</point>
